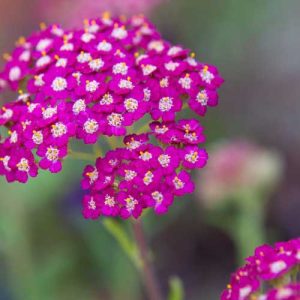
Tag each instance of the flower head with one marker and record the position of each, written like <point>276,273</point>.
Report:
<point>101,81</point>
<point>269,266</point>
<point>238,167</point>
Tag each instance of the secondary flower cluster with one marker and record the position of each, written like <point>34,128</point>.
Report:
<point>142,175</point>
<point>270,274</point>
<point>99,81</point>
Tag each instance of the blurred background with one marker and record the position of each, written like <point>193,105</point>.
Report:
<point>251,183</point>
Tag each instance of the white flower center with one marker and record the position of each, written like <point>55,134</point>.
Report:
<point>158,197</point>
<point>148,69</point>
<point>93,28</point>
<point>164,83</point>
<point>57,31</point>
<point>202,98</point>
<point>161,130</point>
<point>192,157</point>
<point>185,82</point>
<point>158,46</point>
<point>107,99</point>
<point>43,44</point>
<point>191,61</point>
<point>23,165</point>
<point>147,94</point>
<point>87,37</point>
<point>191,136</point>
<point>61,62</point>
<point>84,57</point>
<point>13,137</point>
<point>129,175</point>
<point>113,162</point>
<point>164,160</point>
<point>165,104</point>
<point>52,154</point>
<point>96,64</point>
<point>67,47</point>
<point>131,104</point>
<point>8,113</point>
<point>120,68</point>
<point>92,86</point>
<point>278,266</point>
<point>174,50</point>
<point>178,183</point>
<point>59,129</point>
<point>130,203</point>
<point>5,161</point>
<point>145,156</point>
<point>37,137</point>
<point>24,97</point>
<point>148,178</point>
<point>79,106</point>
<point>25,56</point>
<point>119,33</point>
<point>115,120</point>
<point>93,176</point>
<point>92,204</point>
<point>43,61</point>
<point>133,145</point>
<point>49,112</point>
<point>104,46</point>
<point>91,126</point>
<point>31,107</point>
<point>38,80</point>
<point>206,75</point>
<point>14,74</point>
<point>171,66</point>
<point>109,201</point>
<point>245,292</point>
<point>59,84</point>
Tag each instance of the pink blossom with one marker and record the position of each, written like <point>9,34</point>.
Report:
<point>100,81</point>
<point>267,266</point>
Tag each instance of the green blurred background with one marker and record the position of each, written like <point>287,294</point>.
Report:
<point>47,249</point>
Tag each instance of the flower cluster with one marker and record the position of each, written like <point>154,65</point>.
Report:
<point>99,81</point>
<point>139,176</point>
<point>270,274</point>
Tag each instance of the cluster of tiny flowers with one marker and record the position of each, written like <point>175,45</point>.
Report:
<point>270,274</point>
<point>99,81</point>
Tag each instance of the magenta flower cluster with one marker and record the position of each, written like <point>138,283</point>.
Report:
<point>99,81</point>
<point>270,274</point>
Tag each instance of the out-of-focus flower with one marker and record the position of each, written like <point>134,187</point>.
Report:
<point>236,168</point>
<point>70,12</point>
<point>270,274</point>
<point>100,81</point>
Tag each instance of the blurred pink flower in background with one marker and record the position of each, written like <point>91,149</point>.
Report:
<point>235,168</point>
<point>72,12</point>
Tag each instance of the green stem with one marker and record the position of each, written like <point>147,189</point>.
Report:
<point>148,275</point>
<point>125,243</point>
<point>138,252</point>
<point>249,229</point>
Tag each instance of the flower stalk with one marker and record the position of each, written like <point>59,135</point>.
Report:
<point>148,274</point>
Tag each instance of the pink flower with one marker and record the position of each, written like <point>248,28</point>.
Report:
<point>104,80</point>
<point>238,167</point>
<point>267,264</point>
